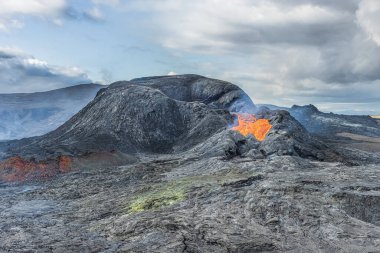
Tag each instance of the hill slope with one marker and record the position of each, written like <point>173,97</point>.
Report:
<point>186,182</point>
<point>31,114</point>
<point>137,116</point>
<point>330,124</point>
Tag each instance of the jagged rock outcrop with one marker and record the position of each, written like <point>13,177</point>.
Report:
<point>286,137</point>
<point>289,137</point>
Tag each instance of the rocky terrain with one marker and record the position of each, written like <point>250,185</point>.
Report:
<point>327,124</point>
<point>31,114</point>
<point>152,165</point>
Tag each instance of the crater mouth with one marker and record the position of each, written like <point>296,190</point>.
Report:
<point>249,124</point>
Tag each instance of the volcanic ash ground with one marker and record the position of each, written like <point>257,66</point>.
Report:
<point>190,164</point>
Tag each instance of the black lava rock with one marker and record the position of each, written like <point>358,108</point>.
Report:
<point>157,114</point>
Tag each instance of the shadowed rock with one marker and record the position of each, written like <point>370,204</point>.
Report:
<point>166,115</point>
<point>143,115</point>
<point>286,137</point>
<point>194,88</point>
<point>164,173</point>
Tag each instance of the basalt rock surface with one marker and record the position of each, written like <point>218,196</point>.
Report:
<point>151,167</point>
<point>128,119</point>
<point>289,137</point>
<point>184,203</point>
<point>170,115</point>
<point>194,88</point>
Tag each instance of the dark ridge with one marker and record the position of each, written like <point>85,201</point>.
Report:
<point>190,88</point>
<point>151,115</point>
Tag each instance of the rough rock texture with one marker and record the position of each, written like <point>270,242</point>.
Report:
<point>169,115</point>
<point>289,137</point>
<point>212,92</point>
<point>195,204</point>
<point>130,119</point>
<point>156,168</point>
<point>328,124</point>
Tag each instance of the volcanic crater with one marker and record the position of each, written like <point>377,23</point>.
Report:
<point>161,115</point>
<point>187,164</point>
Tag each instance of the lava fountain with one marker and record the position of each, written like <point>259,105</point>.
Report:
<point>249,124</point>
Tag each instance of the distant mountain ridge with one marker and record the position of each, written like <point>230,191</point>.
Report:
<point>32,114</point>
<point>25,115</point>
<point>321,123</point>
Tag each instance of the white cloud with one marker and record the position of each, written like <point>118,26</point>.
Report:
<point>368,16</point>
<point>34,7</point>
<point>211,26</point>
<point>58,22</point>
<point>94,14</point>
<point>9,9</point>
<point>284,51</point>
<point>21,72</point>
<point>172,73</point>
<point>5,24</point>
<point>34,62</point>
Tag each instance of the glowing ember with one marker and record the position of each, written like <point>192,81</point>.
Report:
<point>248,124</point>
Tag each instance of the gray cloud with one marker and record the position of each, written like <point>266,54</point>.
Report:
<point>93,14</point>
<point>283,50</point>
<point>280,51</point>
<point>290,33</point>
<point>20,72</point>
<point>341,5</point>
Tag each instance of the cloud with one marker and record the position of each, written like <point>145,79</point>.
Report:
<point>94,14</point>
<point>368,16</point>
<point>12,13</point>
<point>9,11</point>
<point>219,26</point>
<point>172,73</point>
<point>280,51</point>
<point>114,3</point>
<point>21,72</point>
<point>34,7</point>
<point>284,52</point>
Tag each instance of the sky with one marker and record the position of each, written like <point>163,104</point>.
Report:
<point>280,52</point>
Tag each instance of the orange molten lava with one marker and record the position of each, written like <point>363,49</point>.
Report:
<point>248,124</point>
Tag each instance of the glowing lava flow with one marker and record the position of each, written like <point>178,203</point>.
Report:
<point>248,124</point>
